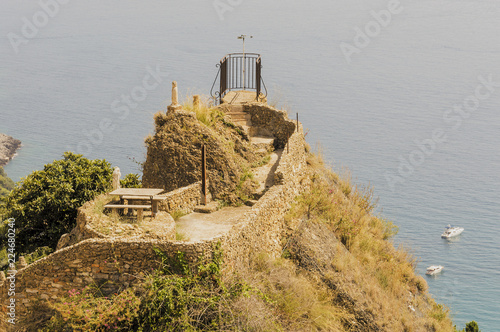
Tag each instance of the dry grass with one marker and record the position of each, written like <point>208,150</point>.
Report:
<point>286,300</point>
<point>177,214</point>
<point>206,113</point>
<point>367,267</point>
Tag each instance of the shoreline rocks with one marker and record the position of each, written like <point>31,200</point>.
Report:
<point>8,148</point>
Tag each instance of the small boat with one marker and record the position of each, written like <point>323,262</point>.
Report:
<point>434,269</point>
<point>451,231</point>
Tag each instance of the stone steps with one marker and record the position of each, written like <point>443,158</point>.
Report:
<point>264,143</point>
<point>239,117</point>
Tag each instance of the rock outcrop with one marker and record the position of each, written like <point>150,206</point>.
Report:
<point>8,148</point>
<point>174,154</point>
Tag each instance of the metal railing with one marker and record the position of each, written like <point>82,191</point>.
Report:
<point>239,71</point>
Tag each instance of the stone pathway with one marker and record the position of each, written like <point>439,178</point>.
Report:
<point>204,226</point>
<point>264,175</point>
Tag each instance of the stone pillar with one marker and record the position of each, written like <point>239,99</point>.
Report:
<point>175,94</point>
<point>22,263</point>
<point>196,102</point>
<point>175,100</point>
<point>116,178</point>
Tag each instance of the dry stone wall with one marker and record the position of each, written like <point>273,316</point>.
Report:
<point>268,121</point>
<point>182,199</point>
<point>83,229</point>
<point>261,228</point>
<point>118,262</point>
<point>109,263</point>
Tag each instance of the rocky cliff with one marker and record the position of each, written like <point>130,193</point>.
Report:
<point>8,148</point>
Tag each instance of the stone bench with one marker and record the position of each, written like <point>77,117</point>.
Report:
<point>139,208</point>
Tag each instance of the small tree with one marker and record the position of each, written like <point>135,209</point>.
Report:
<point>44,204</point>
<point>471,327</point>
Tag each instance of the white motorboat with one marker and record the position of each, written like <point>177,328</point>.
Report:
<point>451,231</point>
<point>434,269</point>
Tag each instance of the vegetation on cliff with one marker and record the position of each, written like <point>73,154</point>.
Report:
<point>45,203</point>
<point>6,184</point>
<point>339,271</point>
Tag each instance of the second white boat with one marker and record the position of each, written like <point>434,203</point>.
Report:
<point>452,231</point>
<point>434,269</point>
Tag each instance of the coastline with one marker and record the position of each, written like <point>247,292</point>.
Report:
<point>8,148</point>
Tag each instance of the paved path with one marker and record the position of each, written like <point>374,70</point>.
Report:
<point>203,226</point>
<point>264,175</point>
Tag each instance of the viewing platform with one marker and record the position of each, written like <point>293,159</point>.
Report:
<point>241,97</point>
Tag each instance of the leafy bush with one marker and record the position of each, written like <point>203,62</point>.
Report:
<point>6,184</point>
<point>39,253</point>
<point>179,299</point>
<point>45,203</point>
<point>172,298</point>
<point>131,181</point>
<point>469,327</point>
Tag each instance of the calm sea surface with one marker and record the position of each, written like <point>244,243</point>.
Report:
<point>75,69</point>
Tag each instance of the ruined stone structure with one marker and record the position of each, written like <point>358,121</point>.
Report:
<point>90,256</point>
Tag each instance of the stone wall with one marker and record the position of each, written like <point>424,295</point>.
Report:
<point>182,199</point>
<point>268,121</point>
<point>117,262</point>
<point>261,228</point>
<point>83,230</point>
<point>111,263</point>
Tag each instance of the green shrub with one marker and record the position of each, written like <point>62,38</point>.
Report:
<point>175,297</point>
<point>39,253</point>
<point>131,181</point>
<point>45,203</point>
<point>178,298</point>
<point>472,327</point>
<point>6,184</point>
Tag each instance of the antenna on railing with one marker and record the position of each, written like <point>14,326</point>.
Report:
<point>244,63</point>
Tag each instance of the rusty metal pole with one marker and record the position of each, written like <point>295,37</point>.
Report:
<point>297,121</point>
<point>204,175</point>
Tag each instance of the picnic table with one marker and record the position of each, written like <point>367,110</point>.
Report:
<point>129,195</point>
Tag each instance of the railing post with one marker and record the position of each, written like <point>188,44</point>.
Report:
<point>223,78</point>
<point>203,175</point>
<point>257,76</point>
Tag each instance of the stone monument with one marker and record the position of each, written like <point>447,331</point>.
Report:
<point>116,178</point>
<point>175,106</point>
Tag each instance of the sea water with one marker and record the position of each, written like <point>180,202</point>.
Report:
<point>88,77</point>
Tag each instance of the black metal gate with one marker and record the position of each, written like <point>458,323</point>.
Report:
<point>239,71</point>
